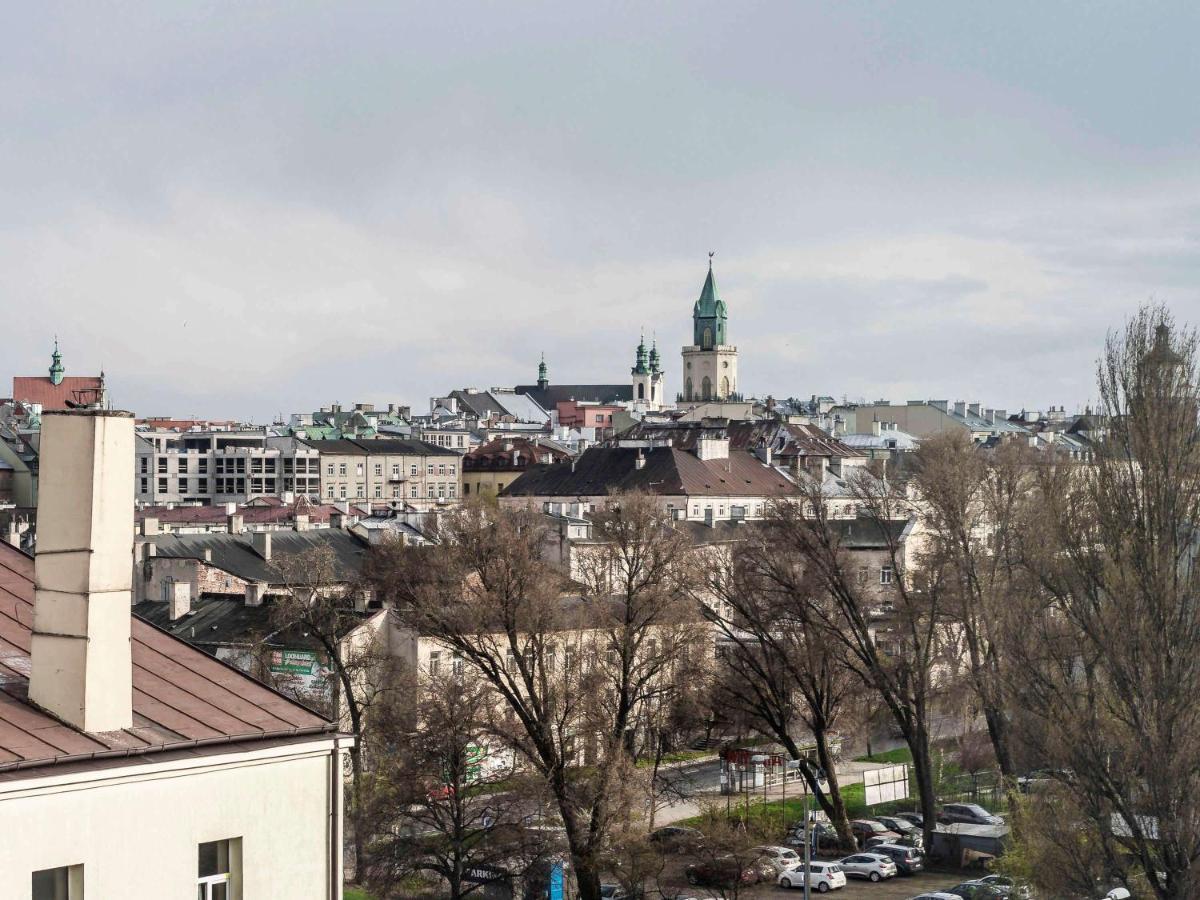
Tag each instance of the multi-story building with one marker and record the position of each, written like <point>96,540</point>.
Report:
<point>362,420</point>
<point>206,467</point>
<point>389,471</point>
<point>710,364</point>
<point>493,466</point>
<point>926,418</point>
<point>111,728</point>
<point>57,390</point>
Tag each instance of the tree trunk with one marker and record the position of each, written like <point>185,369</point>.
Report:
<point>918,743</point>
<point>997,726</point>
<point>837,812</point>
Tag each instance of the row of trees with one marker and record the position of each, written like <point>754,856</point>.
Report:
<point>1059,592</point>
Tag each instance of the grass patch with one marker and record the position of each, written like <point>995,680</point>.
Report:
<point>897,756</point>
<point>677,756</point>
<point>353,893</point>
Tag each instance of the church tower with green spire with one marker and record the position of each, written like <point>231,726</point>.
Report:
<point>543,381</point>
<point>649,390</point>
<point>710,363</point>
<point>56,366</point>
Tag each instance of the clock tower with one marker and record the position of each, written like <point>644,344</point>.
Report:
<point>710,362</point>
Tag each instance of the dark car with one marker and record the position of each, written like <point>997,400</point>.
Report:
<point>823,837</point>
<point>722,872</point>
<point>908,860</point>
<point>670,838</point>
<point>976,890</point>
<point>899,825</point>
<point>869,830</point>
<point>616,892</point>
<point>967,813</point>
<point>916,818</point>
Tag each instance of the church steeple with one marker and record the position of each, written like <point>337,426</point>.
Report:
<point>56,366</point>
<point>543,381</point>
<point>709,316</point>
<point>655,362</point>
<point>641,364</point>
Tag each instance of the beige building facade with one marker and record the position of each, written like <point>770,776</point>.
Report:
<point>385,471</point>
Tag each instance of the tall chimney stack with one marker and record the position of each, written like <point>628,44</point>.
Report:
<point>81,666</point>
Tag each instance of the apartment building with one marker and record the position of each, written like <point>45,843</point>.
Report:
<point>234,466</point>
<point>389,471</point>
<point>131,764</point>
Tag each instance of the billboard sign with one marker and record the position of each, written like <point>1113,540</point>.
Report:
<point>293,662</point>
<point>885,784</point>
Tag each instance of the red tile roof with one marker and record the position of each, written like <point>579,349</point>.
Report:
<point>40,389</point>
<point>181,695</point>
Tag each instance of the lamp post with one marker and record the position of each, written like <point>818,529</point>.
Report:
<point>760,761</point>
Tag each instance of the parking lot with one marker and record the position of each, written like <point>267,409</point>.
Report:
<point>899,888</point>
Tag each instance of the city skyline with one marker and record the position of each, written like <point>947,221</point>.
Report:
<point>259,213</point>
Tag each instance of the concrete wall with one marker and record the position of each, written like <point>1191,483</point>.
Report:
<point>136,828</point>
<point>203,579</point>
<point>717,364</point>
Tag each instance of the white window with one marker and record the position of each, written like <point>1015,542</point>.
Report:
<point>396,491</point>
<point>412,492</point>
<point>395,470</point>
<point>342,491</point>
<point>218,869</point>
<point>329,469</point>
<point>412,469</point>
<point>452,468</point>
<point>358,469</point>
<point>430,494</point>
<point>885,575</point>
<point>451,492</point>
<point>442,469</point>
<point>378,491</point>
<point>329,492</point>
<point>429,469</point>
<point>378,468</point>
<point>63,883</point>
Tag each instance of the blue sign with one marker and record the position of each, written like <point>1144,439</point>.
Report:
<point>555,891</point>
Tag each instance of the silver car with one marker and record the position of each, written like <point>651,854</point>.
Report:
<point>874,866</point>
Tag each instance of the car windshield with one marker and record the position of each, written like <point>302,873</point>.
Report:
<point>976,810</point>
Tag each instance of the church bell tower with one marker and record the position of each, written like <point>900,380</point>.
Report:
<point>710,363</point>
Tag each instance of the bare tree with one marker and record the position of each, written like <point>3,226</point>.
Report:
<point>445,799</point>
<point>570,671</point>
<point>895,655</point>
<point>1105,672</point>
<point>973,507</point>
<point>318,600</point>
<point>779,666</point>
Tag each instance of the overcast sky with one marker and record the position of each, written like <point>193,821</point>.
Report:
<point>246,209</point>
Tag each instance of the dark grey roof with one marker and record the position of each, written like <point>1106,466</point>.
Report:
<point>222,621</point>
<point>234,553</point>
<point>481,403</point>
<point>382,446</point>
<point>548,398</point>
<point>607,470</point>
<point>865,533</point>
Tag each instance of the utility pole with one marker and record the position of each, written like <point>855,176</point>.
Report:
<point>807,843</point>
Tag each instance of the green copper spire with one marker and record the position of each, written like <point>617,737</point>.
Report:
<point>709,316</point>
<point>543,381</point>
<point>56,366</point>
<point>641,366</point>
<point>655,362</point>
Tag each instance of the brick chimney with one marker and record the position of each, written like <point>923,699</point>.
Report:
<point>81,668</point>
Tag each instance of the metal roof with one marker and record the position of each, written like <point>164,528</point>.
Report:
<point>181,695</point>
<point>235,553</point>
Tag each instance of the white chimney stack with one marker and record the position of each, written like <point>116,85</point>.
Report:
<point>81,666</point>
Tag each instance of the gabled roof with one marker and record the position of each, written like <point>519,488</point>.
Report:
<point>181,695</point>
<point>388,446</point>
<point>40,389</point>
<point>235,553</point>
<point>549,397</point>
<point>667,471</point>
<point>784,439</point>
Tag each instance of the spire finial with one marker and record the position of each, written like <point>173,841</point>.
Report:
<point>711,254</point>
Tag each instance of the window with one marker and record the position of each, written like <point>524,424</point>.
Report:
<point>342,491</point>
<point>395,470</point>
<point>162,485</point>
<point>329,492</point>
<point>202,485</point>
<point>862,574</point>
<point>442,491</point>
<point>360,491</point>
<point>145,485</point>
<point>145,465</point>
<point>885,575</point>
<point>63,883</point>
<point>329,469</point>
<point>429,469</point>
<point>435,663</point>
<point>430,494</point>
<point>442,469</point>
<point>453,469</point>
<point>412,470</point>
<point>162,464</point>
<point>396,492</point>
<point>341,468</point>
<point>217,869</point>
<point>202,465</point>
<point>378,491</point>
<point>451,492</point>
<point>358,469</point>
<point>456,665</point>
<point>412,491</point>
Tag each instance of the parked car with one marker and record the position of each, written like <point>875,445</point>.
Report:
<point>908,860</point>
<point>1011,888</point>
<point>967,813</point>
<point>865,829</point>
<point>616,892</point>
<point>725,870</point>
<point>915,817</point>
<point>671,838</point>
<point>823,836</point>
<point>779,858</point>
<point>937,895</point>
<point>822,877</point>
<point>902,827</point>
<point>874,866</point>
<point>976,890</point>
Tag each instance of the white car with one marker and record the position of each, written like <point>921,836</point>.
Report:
<point>781,858</point>
<point>874,866</point>
<point>822,877</point>
<point>937,895</point>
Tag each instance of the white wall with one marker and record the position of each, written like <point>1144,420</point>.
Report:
<point>137,831</point>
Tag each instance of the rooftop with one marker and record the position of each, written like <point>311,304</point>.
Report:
<point>182,697</point>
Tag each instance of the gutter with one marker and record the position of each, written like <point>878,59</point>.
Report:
<point>127,752</point>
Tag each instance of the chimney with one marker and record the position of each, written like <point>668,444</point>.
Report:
<point>301,522</point>
<point>236,523</point>
<point>973,408</point>
<point>261,542</point>
<point>150,526</point>
<point>876,428</point>
<point>337,520</point>
<point>181,599</point>
<point>81,668</point>
<point>639,461</point>
<point>960,408</point>
<point>230,508</point>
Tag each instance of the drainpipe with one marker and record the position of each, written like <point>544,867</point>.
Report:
<point>335,821</point>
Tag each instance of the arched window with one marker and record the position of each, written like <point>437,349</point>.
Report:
<point>706,388</point>
<point>725,387</point>
<point>687,394</point>
<point>707,341</point>
<point>641,391</point>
